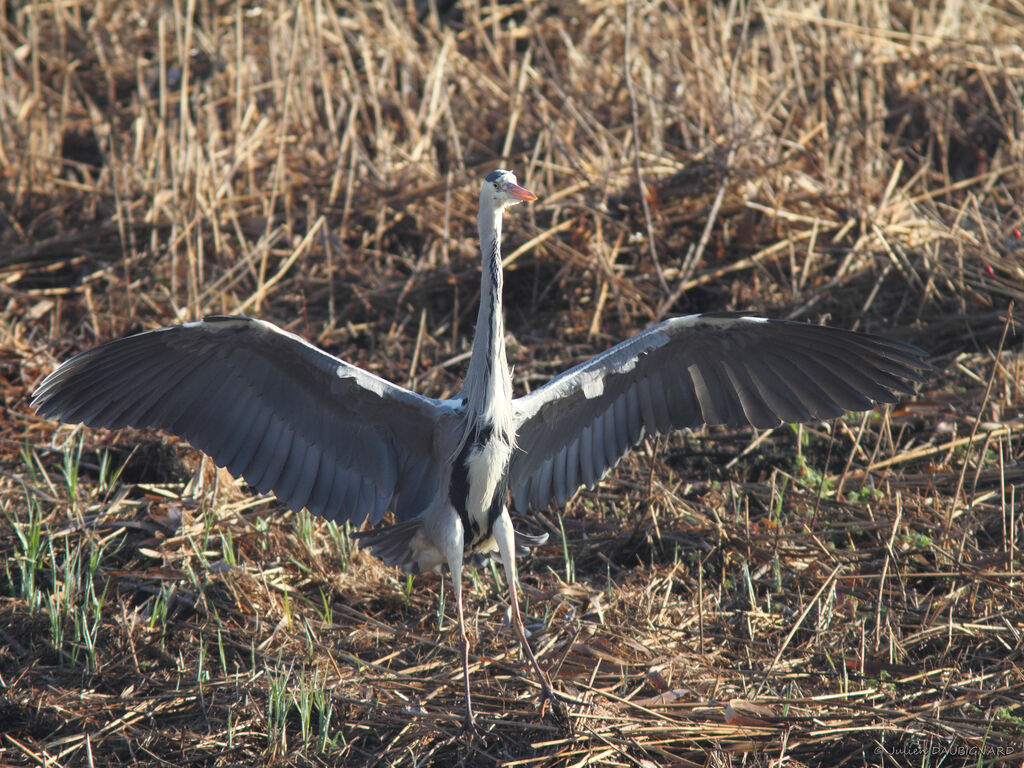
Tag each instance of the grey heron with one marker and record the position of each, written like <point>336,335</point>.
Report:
<point>347,445</point>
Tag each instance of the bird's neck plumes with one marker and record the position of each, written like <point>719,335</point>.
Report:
<point>488,386</point>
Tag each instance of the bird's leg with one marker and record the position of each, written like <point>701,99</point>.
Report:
<point>505,537</point>
<point>469,724</point>
<point>455,566</point>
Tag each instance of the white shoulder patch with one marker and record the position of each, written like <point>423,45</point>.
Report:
<point>630,364</point>
<point>683,320</point>
<point>364,380</point>
<point>593,386</point>
<point>710,321</point>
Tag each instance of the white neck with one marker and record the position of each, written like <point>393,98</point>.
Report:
<point>488,385</point>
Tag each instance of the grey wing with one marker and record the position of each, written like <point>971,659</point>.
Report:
<point>718,369</point>
<point>289,418</point>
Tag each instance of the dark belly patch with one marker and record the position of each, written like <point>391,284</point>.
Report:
<point>458,491</point>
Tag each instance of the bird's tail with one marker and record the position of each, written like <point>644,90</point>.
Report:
<point>525,542</point>
<point>393,544</point>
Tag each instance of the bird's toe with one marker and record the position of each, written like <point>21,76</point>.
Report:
<point>470,732</point>
<point>559,712</point>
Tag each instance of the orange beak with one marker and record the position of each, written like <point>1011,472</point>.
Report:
<point>521,193</point>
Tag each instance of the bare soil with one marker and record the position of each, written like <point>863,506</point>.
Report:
<point>846,593</point>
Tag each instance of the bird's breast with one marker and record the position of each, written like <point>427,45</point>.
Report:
<point>479,483</point>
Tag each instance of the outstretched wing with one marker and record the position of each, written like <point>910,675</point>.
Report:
<point>289,418</point>
<point>718,369</point>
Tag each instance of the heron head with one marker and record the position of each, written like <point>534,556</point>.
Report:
<point>501,190</point>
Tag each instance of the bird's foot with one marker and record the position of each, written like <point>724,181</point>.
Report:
<point>469,730</point>
<point>559,713</point>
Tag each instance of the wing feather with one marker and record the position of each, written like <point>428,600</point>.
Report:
<point>325,478</point>
<point>341,502</point>
<point>240,464</point>
<point>544,478</point>
<point>146,393</point>
<point>270,407</point>
<point>598,438</point>
<point>155,405</point>
<point>291,471</point>
<point>275,447</point>
<point>683,400</point>
<point>604,435</point>
<point>620,432</point>
<point>559,484</point>
<point>659,402</point>
<point>783,403</point>
<point>636,424</point>
<point>572,470</point>
<point>835,380</point>
<point>755,410</point>
<point>113,410</point>
<point>225,442</point>
<point>729,370</point>
<point>587,455</point>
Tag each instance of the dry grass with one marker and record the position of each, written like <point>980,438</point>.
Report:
<point>841,594</point>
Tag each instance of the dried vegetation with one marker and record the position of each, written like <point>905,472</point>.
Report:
<point>844,594</point>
